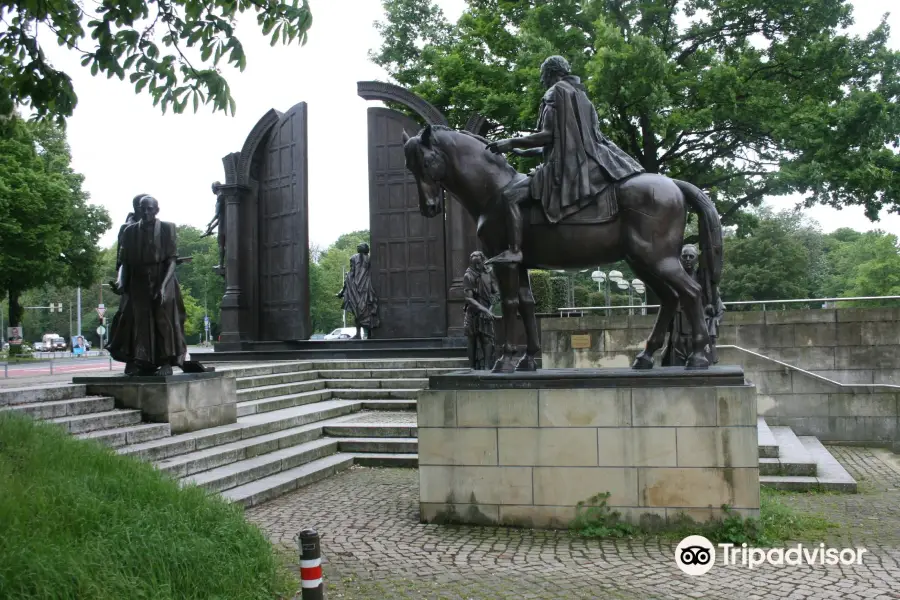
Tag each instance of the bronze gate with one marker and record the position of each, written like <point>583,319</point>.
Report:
<point>284,232</point>
<point>408,262</point>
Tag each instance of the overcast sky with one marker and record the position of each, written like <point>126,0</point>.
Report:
<point>125,146</point>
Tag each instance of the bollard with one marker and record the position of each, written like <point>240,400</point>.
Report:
<point>311,566</point>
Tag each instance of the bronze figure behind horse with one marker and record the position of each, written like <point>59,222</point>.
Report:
<point>647,233</point>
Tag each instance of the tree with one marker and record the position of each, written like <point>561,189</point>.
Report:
<point>148,41</point>
<point>748,100</point>
<point>197,278</point>
<point>48,231</point>
<point>775,261</point>
<point>863,264</point>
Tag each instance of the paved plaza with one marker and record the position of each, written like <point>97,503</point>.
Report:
<point>375,548</point>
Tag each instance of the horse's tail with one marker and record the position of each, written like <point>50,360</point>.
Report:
<point>710,228</point>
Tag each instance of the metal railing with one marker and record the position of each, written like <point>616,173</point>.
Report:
<point>39,367</point>
<point>581,310</point>
<point>808,373</point>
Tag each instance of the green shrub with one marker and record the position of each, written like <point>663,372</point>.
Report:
<point>582,296</point>
<point>79,521</point>
<point>559,293</point>
<point>540,288</point>
<point>597,299</point>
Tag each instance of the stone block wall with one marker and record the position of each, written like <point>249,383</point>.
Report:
<point>187,401</point>
<point>849,346</point>
<point>527,457</point>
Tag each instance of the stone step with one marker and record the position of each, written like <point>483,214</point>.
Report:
<point>246,427</point>
<point>49,393</point>
<point>198,461</point>
<point>125,436</point>
<point>829,476</point>
<point>371,384</point>
<point>409,405</point>
<point>379,445</point>
<point>281,483</point>
<point>376,394</point>
<point>281,389</point>
<point>397,363</point>
<point>371,430</point>
<point>768,447</point>
<point>382,373</point>
<point>97,421</point>
<point>64,408</point>
<point>262,405</point>
<point>780,466</point>
<point>246,471</point>
<point>385,460</point>
<point>265,369</point>
<point>244,383</point>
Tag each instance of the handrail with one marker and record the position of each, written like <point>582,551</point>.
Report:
<point>805,372</point>
<point>582,309</point>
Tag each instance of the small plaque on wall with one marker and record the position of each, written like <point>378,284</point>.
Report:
<point>581,341</point>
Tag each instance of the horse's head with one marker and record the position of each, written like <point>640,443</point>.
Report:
<point>429,165</point>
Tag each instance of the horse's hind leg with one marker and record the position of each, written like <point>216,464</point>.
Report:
<point>668,304</point>
<point>689,295</point>
<point>508,278</point>
<point>526,309</point>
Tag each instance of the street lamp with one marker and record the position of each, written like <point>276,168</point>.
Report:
<point>602,281</point>
<point>641,289</point>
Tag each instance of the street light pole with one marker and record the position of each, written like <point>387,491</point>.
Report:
<point>79,311</point>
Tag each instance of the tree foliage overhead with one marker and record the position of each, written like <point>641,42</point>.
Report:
<point>48,230</point>
<point>170,47</point>
<point>744,98</point>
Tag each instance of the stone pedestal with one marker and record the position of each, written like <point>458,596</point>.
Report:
<point>187,401</point>
<point>523,449</point>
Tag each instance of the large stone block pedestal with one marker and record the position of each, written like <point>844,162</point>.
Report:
<point>187,401</point>
<point>524,448</point>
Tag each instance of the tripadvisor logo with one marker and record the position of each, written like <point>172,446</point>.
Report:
<point>696,555</point>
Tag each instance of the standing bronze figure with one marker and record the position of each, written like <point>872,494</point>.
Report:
<point>147,332</point>
<point>678,348</point>
<point>217,224</point>
<point>480,288</point>
<point>358,294</point>
<point>646,229</point>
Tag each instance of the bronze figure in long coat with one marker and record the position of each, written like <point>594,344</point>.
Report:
<point>147,332</point>
<point>358,294</point>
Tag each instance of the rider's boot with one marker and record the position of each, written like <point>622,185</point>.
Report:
<point>514,224</point>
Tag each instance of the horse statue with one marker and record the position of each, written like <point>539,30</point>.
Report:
<point>647,232</point>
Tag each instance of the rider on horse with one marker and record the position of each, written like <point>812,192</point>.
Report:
<point>579,162</point>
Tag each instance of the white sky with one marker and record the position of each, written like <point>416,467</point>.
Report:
<point>125,146</point>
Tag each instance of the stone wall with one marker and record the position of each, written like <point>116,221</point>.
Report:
<point>850,346</point>
<point>527,457</point>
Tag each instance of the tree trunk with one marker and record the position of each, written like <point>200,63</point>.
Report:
<point>15,309</point>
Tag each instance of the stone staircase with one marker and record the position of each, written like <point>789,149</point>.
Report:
<point>297,423</point>
<point>300,422</point>
<point>789,462</point>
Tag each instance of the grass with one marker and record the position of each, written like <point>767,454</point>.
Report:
<point>777,524</point>
<point>79,521</point>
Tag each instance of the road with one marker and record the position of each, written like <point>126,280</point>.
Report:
<point>64,366</point>
<point>61,366</point>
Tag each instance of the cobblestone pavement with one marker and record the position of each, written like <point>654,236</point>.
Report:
<point>375,548</point>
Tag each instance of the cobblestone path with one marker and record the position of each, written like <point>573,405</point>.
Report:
<point>375,548</point>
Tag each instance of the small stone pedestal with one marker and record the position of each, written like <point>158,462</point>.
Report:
<point>524,448</point>
<point>187,401</point>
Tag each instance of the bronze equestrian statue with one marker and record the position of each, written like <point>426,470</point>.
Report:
<point>591,206</point>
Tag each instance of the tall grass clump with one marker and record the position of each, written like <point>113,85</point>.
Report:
<point>78,521</point>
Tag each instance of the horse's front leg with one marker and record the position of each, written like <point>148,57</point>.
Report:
<point>526,309</point>
<point>508,279</point>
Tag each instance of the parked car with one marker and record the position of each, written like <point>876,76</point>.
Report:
<point>341,333</point>
<point>38,346</point>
